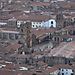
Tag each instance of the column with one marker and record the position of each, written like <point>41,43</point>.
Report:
<point>2,36</point>
<point>8,36</point>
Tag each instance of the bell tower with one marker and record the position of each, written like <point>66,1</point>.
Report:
<point>25,32</point>
<point>59,20</point>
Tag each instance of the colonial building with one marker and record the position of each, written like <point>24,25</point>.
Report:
<point>49,23</point>
<point>39,5</point>
<point>9,35</point>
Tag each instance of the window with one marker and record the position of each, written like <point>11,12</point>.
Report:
<point>16,36</point>
<point>37,22</point>
<point>58,39</point>
<point>40,23</point>
<point>11,36</point>
<point>0,35</point>
<point>62,73</point>
<point>72,74</point>
<point>55,38</point>
<point>36,26</point>
<point>39,26</point>
<point>5,36</point>
<point>38,7</point>
<point>72,70</point>
<point>66,69</point>
<point>51,22</point>
<point>33,25</point>
<point>62,70</point>
<point>33,22</point>
<point>73,32</point>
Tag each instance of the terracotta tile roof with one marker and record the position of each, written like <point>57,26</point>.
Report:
<point>16,6</point>
<point>4,17</point>
<point>67,5</point>
<point>41,32</point>
<point>66,66</point>
<point>4,72</point>
<point>33,17</point>
<point>41,63</point>
<point>70,28</point>
<point>13,47</point>
<point>2,49</point>
<point>50,70</point>
<point>59,66</point>
<point>40,3</point>
<point>64,50</point>
<point>9,30</point>
<point>69,15</point>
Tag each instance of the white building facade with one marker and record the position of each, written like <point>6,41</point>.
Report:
<point>37,24</point>
<point>40,24</point>
<point>49,23</point>
<point>44,24</point>
<point>66,72</point>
